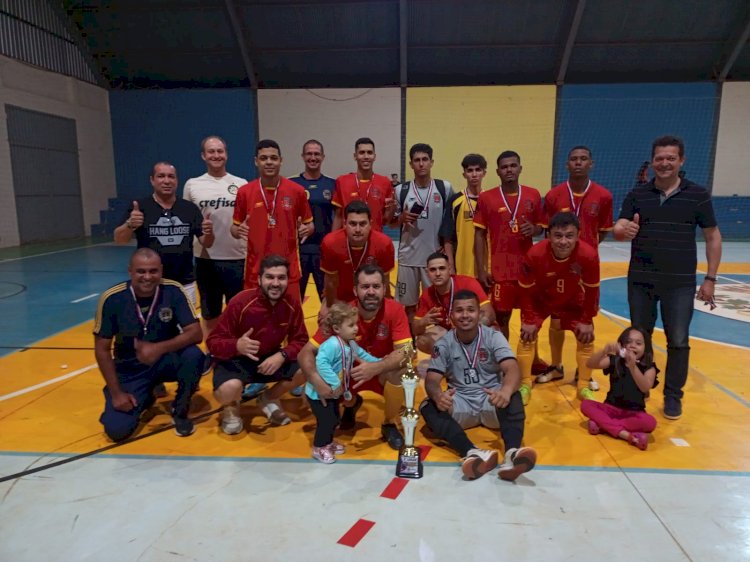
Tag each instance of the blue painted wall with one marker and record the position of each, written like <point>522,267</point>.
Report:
<point>619,122</point>
<point>153,125</point>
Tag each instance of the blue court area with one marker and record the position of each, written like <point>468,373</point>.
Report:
<point>731,295</point>
<point>45,294</point>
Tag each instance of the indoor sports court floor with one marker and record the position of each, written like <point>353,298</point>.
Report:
<point>259,495</point>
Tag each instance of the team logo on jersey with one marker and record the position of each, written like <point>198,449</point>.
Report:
<point>370,260</point>
<point>435,352</point>
<point>327,194</point>
<point>593,209</point>
<point>436,198</point>
<point>165,314</point>
<point>286,203</point>
<point>528,205</point>
<point>375,193</point>
<point>383,331</point>
<point>483,355</point>
<point>575,269</point>
<point>258,204</point>
<point>233,189</point>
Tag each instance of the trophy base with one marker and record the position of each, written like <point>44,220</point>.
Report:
<point>409,463</point>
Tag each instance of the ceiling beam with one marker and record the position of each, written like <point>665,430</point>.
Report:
<point>234,21</point>
<point>403,27</point>
<point>738,46</point>
<point>569,42</point>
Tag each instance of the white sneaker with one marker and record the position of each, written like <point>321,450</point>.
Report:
<point>516,462</point>
<point>478,462</point>
<point>231,422</point>
<point>593,385</point>
<point>273,411</point>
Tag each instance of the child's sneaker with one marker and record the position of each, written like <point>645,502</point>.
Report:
<point>586,394</point>
<point>478,462</point>
<point>639,439</point>
<point>324,454</point>
<point>594,428</point>
<point>593,385</point>
<point>337,448</point>
<point>517,461</point>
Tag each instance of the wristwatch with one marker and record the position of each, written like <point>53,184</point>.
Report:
<point>284,354</point>
<point>709,278</point>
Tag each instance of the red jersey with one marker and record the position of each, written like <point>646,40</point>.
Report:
<point>431,298</point>
<point>379,336</point>
<point>273,215</point>
<point>552,286</point>
<point>337,257</point>
<point>273,325</point>
<point>593,208</point>
<point>506,247</point>
<point>374,192</point>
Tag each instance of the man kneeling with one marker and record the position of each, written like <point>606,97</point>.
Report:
<point>483,381</point>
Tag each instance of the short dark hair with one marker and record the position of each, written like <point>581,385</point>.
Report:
<point>368,269</point>
<point>363,140</point>
<point>267,143</point>
<point>420,147</point>
<point>146,253</point>
<point>312,141</point>
<point>474,160</point>
<point>668,140</point>
<point>561,220</point>
<point>464,295</point>
<point>436,256</point>
<point>357,207</point>
<point>161,163</point>
<point>208,138</point>
<point>581,147</point>
<point>273,260</point>
<point>508,154</point>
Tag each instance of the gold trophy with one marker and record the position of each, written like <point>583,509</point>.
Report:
<point>409,462</point>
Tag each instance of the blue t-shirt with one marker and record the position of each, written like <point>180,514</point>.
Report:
<point>319,195</point>
<point>117,318</point>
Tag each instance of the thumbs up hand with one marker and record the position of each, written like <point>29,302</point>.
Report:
<point>243,229</point>
<point>207,226</point>
<point>248,347</point>
<point>135,220</point>
<point>632,228</point>
<point>304,230</point>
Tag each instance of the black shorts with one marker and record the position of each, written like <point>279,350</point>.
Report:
<point>217,280</point>
<point>246,371</point>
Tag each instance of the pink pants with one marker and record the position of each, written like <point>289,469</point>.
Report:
<point>613,420</point>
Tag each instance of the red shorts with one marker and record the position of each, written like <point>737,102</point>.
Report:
<point>291,289</point>
<point>506,295</point>
<point>569,319</point>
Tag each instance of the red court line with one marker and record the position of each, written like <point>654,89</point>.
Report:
<point>424,450</point>
<point>393,489</point>
<point>356,533</point>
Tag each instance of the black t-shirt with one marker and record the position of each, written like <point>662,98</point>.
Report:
<point>170,233</point>
<point>623,392</point>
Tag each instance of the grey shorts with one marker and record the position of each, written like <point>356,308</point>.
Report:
<point>408,284</point>
<point>473,411</point>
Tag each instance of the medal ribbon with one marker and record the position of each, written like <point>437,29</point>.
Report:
<point>351,259</point>
<point>272,211</point>
<point>507,206</point>
<point>367,193</point>
<point>426,202</point>
<point>346,364</point>
<point>577,210</point>
<point>468,204</point>
<point>144,321</point>
<point>471,360</point>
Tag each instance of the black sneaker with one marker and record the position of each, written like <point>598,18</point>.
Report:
<point>672,408</point>
<point>349,416</point>
<point>392,436</point>
<point>160,391</point>
<point>208,364</point>
<point>183,426</point>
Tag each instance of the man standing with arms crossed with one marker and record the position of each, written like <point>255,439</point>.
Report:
<point>366,185</point>
<point>592,204</point>
<point>320,190</point>
<point>278,211</point>
<point>661,218</point>
<point>219,269</point>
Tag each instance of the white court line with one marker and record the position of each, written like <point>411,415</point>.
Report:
<point>47,383</point>
<point>91,296</point>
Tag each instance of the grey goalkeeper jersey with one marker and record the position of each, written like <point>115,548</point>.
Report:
<point>423,237</point>
<point>449,358</point>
